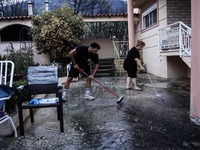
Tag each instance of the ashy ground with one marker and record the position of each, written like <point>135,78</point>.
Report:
<point>144,120</point>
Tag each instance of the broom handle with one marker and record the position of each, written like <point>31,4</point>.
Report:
<point>99,83</point>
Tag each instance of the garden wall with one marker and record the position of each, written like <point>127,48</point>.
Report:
<point>106,47</point>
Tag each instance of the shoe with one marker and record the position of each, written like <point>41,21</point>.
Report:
<point>88,97</point>
<point>129,88</point>
<point>64,95</point>
<point>137,89</point>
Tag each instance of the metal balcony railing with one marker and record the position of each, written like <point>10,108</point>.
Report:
<point>175,37</point>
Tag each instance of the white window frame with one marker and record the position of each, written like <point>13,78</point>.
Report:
<point>148,12</point>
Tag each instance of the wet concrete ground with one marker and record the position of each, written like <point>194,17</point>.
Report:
<point>142,121</point>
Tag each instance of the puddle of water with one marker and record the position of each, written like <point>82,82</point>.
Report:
<point>158,95</point>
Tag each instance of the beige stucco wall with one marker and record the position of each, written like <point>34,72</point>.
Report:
<point>176,63</point>
<point>6,23</point>
<point>106,47</point>
<point>105,52</point>
<point>41,59</point>
<point>162,66</point>
<point>155,65</point>
<point>195,72</point>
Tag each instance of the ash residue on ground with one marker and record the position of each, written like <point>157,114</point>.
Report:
<point>142,120</point>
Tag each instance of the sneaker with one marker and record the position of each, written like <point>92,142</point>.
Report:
<point>88,96</point>
<point>64,95</point>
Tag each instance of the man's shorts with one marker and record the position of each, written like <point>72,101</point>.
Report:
<point>75,72</point>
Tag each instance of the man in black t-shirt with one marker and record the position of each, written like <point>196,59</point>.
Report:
<point>81,58</point>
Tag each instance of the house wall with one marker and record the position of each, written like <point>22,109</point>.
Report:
<point>195,72</point>
<point>155,65</point>
<point>41,59</point>
<point>6,23</point>
<point>176,63</point>
<point>162,66</point>
<point>179,10</point>
<point>106,50</point>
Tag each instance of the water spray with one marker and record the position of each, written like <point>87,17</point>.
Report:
<point>152,83</point>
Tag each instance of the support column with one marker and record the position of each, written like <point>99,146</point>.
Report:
<point>131,33</point>
<point>195,62</point>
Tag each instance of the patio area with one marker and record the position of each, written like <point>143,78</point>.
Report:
<point>143,120</point>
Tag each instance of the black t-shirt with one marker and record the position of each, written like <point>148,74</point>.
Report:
<point>83,58</point>
<point>130,62</point>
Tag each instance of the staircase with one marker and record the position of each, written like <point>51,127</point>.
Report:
<point>175,40</point>
<point>187,60</point>
<point>106,68</point>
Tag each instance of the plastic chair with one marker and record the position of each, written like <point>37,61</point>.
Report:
<point>41,80</point>
<point>68,68</point>
<point>6,81</point>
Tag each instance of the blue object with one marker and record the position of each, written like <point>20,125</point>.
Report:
<point>6,91</point>
<point>1,104</point>
<point>34,101</point>
<point>43,101</point>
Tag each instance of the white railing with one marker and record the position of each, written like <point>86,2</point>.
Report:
<point>116,58</point>
<point>122,47</point>
<point>120,50</point>
<point>175,37</point>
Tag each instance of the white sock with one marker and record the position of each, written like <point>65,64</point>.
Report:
<point>87,90</point>
<point>65,90</point>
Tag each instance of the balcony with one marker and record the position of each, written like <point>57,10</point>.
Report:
<point>175,39</point>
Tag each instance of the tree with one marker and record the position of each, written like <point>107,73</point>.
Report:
<point>107,30</point>
<point>103,7</point>
<point>57,31</point>
<point>11,8</point>
<point>88,6</point>
<point>118,6</point>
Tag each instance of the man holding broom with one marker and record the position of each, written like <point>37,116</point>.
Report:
<point>81,58</point>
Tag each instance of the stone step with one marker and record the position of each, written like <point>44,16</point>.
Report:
<point>111,66</point>
<point>106,75</point>
<point>106,68</point>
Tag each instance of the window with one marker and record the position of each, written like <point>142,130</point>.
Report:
<point>149,16</point>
